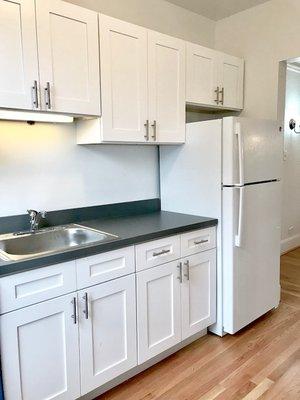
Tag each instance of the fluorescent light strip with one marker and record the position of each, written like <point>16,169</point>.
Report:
<point>34,116</point>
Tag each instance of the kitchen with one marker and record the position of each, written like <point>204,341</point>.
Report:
<point>103,161</point>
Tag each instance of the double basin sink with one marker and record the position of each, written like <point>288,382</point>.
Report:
<point>25,245</point>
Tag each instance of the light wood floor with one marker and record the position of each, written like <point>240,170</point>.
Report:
<point>260,362</point>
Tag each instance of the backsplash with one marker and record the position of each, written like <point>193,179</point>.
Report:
<point>42,167</point>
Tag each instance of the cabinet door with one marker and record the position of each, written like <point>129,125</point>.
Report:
<point>201,75</point>
<point>107,331</point>
<point>18,49</point>
<point>40,352</point>
<point>123,60</point>
<point>158,305</point>
<point>231,72</point>
<point>68,47</point>
<point>198,292</point>
<point>166,82</point>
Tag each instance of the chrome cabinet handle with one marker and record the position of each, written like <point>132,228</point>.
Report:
<point>86,310</point>
<point>222,97</point>
<point>187,274</point>
<point>147,126</point>
<point>35,97</point>
<point>217,91</point>
<point>201,241</point>
<point>180,272</point>
<point>74,316</point>
<point>160,253</point>
<point>154,126</point>
<point>48,96</point>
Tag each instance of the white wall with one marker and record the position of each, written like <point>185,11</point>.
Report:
<point>158,15</point>
<point>291,177</point>
<point>42,167</point>
<point>265,35</point>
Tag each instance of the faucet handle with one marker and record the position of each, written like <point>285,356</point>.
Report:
<point>43,214</point>
<point>32,213</point>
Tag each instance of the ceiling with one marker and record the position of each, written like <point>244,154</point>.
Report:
<point>217,9</point>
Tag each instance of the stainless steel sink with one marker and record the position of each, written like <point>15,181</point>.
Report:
<point>20,246</point>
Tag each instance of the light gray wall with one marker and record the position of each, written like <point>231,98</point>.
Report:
<point>157,15</point>
<point>264,36</point>
<point>42,167</point>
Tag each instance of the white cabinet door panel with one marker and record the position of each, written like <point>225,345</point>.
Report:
<point>159,313</point>
<point>108,334</point>
<point>39,352</point>
<point>68,57</point>
<point>232,81</point>
<point>166,83</point>
<point>201,75</point>
<point>18,49</point>
<point>123,60</point>
<point>199,293</point>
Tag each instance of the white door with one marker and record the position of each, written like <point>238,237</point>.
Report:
<point>198,292</point>
<point>231,78</point>
<point>251,253</point>
<point>252,151</point>
<point>166,82</point>
<point>40,353</point>
<point>68,47</point>
<point>158,310</point>
<point>19,76</point>
<point>123,60</point>
<point>201,75</point>
<point>107,331</point>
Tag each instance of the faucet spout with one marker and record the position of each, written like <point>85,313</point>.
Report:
<point>35,219</point>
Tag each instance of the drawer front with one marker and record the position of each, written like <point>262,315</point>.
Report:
<point>196,241</point>
<point>26,288</point>
<point>105,266</point>
<point>157,252</point>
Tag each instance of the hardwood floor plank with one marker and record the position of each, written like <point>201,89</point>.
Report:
<point>242,366</point>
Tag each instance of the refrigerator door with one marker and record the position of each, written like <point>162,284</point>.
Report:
<point>251,253</point>
<point>252,151</point>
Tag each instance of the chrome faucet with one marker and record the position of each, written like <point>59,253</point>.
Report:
<point>35,219</point>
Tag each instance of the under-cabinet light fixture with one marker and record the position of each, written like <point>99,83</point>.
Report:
<point>28,116</point>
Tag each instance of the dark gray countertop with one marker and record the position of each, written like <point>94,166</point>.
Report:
<point>129,229</point>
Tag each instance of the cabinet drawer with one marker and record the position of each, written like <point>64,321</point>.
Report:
<point>157,252</point>
<point>196,241</point>
<point>26,288</point>
<point>104,267</point>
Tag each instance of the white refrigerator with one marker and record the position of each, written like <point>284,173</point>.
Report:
<point>230,169</point>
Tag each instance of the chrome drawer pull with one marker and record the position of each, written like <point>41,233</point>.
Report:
<point>154,126</point>
<point>187,275</point>
<point>48,96</point>
<point>201,241</point>
<point>74,316</point>
<point>160,253</point>
<point>180,272</point>
<point>147,126</point>
<point>35,96</point>
<point>217,91</point>
<point>86,310</point>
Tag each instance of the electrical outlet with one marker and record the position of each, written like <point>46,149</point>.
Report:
<point>290,229</point>
<point>285,155</point>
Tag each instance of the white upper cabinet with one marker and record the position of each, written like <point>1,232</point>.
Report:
<point>202,75</point>
<point>68,57</point>
<point>123,59</point>
<point>19,73</point>
<point>231,78</point>
<point>214,79</point>
<point>166,83</point>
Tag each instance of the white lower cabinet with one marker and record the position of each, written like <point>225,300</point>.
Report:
<point>107,331</point>
<point>158,308</point>
<point>39,351</point>
<point>198,292</point>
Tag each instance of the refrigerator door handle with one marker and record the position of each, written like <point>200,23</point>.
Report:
<point>238,236</point>
<point>238,132</point>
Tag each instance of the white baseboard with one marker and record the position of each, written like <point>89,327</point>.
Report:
<point>290,243</point>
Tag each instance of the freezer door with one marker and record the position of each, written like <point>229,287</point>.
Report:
<point>252,151</point>
<point>251,253</point>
